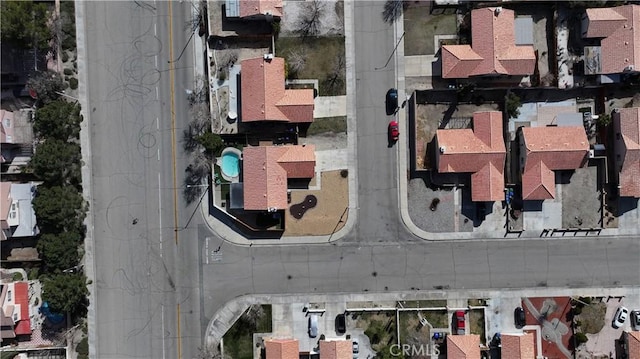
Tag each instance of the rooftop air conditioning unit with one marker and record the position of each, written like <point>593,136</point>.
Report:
<point>498,10</point>
<point>629,68</point>
<point>268,57</point>
<point>442,149</point>
<point>592,153</point>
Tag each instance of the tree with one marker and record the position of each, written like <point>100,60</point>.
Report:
<point>57,163</point>
<point>604,120</point>
<point>59,209</point>
<point>59,251</point>
<point>47,85</point>
<point>58,120</point>
<point>335,79</point>
<point>392,10</point>
<point>211,142</point>
<point>65,292</point>
<point>297,59</point>
<point>24,24</point>
<point>512,105</point>
<point>310,18</point>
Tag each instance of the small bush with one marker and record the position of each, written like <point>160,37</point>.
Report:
<point>68,71</point>
<point>65,56</point>
<point>73,83</point>
<point>580,338</point>
<point>17,276</point>
<point>83,348</point>
<point>33,273</point>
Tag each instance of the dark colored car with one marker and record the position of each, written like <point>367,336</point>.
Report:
<point>394,133</point>
<point>391,101</point>
<point>341,324</point>
<point>519,317</point>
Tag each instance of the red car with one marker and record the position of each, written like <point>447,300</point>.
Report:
<point>460,322</point>
<point>393,130</point>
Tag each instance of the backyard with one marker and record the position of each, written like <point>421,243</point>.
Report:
<point>321,58</point>
<point>420,28</point>
<point>380,328</point>
<point>238,341</point>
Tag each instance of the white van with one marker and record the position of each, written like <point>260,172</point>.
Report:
<point>313,325</point>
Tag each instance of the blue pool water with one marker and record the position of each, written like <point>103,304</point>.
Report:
<point>230,164</point>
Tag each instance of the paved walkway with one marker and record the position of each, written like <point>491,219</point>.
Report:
<point>330,106</point>
<point>417,66</point>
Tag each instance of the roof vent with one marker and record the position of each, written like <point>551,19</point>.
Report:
<point>268,57</point>
<point>498,10</point>
<point>629,68</point>
<point>442,149</point>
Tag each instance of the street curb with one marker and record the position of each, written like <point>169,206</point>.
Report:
<point>87,171</point>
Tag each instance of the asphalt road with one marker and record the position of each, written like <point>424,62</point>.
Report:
<point>146,294</point>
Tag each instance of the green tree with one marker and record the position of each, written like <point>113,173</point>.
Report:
<point>604,120</point>
<point>24,24</point>
<point>59,251</point>
<point>59,209</point>
<point>65,292</point>
<point>58,120</point>
<point>47,86</point>
<point>512,105</point>
<point>57,163</point>
<point>211,142</point>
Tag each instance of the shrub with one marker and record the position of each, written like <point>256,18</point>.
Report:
<point>580,338</point>
<point>17,276</point>
<point>73,83</point>
<point>512,105</point>
<point>65,56</point>
<point>83,348</point>
<point>68,71</point>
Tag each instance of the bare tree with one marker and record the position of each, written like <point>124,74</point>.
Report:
<point>200,92</point>
<point>392,10</point>
<point>310,18</point>
<point>297,59</point>
<point>335,79</point>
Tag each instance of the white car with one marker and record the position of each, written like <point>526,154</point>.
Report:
<point>620,317</point>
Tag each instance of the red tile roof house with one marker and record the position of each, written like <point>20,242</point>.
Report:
<point>336,349</point>
<point>282,349</point>
<point>253,9</point>
<point>266,169</point>
<point>619,31</point>
<point>15,305</point>
<point>479,151</point>
<point>264,97</point>
<point>518,346</point>
<point>493,49</point>
<point>547,149</point>
<point>632,341</point>
<point>626,124</point>
<point>463,346</point>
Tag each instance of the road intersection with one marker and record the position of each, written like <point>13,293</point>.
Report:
<point>155,295</point>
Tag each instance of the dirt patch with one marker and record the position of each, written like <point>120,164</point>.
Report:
<point>476,324</point>
<point>591,319</point>
<point>380,328</point>
<point>329,215</point>
<point>412,331</point>
<point>327,141</point>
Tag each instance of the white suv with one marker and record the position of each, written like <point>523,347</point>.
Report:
<point>620,317</point>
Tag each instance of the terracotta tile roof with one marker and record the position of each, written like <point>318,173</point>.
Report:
<point>264,97</point>
<point>336,349</point>
<point>480,151</point>
<point>619,28</point>
<point>518,346</point>
<point>463,346</point>
<point>23,327</point>
<point>634,344</point>
<point>547,149</point>
<point>492,51</point>
<point>260,7</point>
<point>282,349</point>
<point>5,203</point>
<point>627,122</point>
<point>265,170</point>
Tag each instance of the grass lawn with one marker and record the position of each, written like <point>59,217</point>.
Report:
<point>476,324</point>
<point>380,328</point>
<point>321,55</point>
<point>420,27</point>
<point>238,341</point>
<point>328,124</point>
<point>591,319</point>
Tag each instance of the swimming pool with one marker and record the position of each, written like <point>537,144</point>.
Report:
<point>230,163</point>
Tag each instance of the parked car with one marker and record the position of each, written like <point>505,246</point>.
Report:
<point>635,319</point>
<point>394,133</point>
<point>313,325</point>
<point>341,324</point>
<point>460,324</point>
<point>519,317</point>
<point>391,101</point>
<point>620,317</point>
